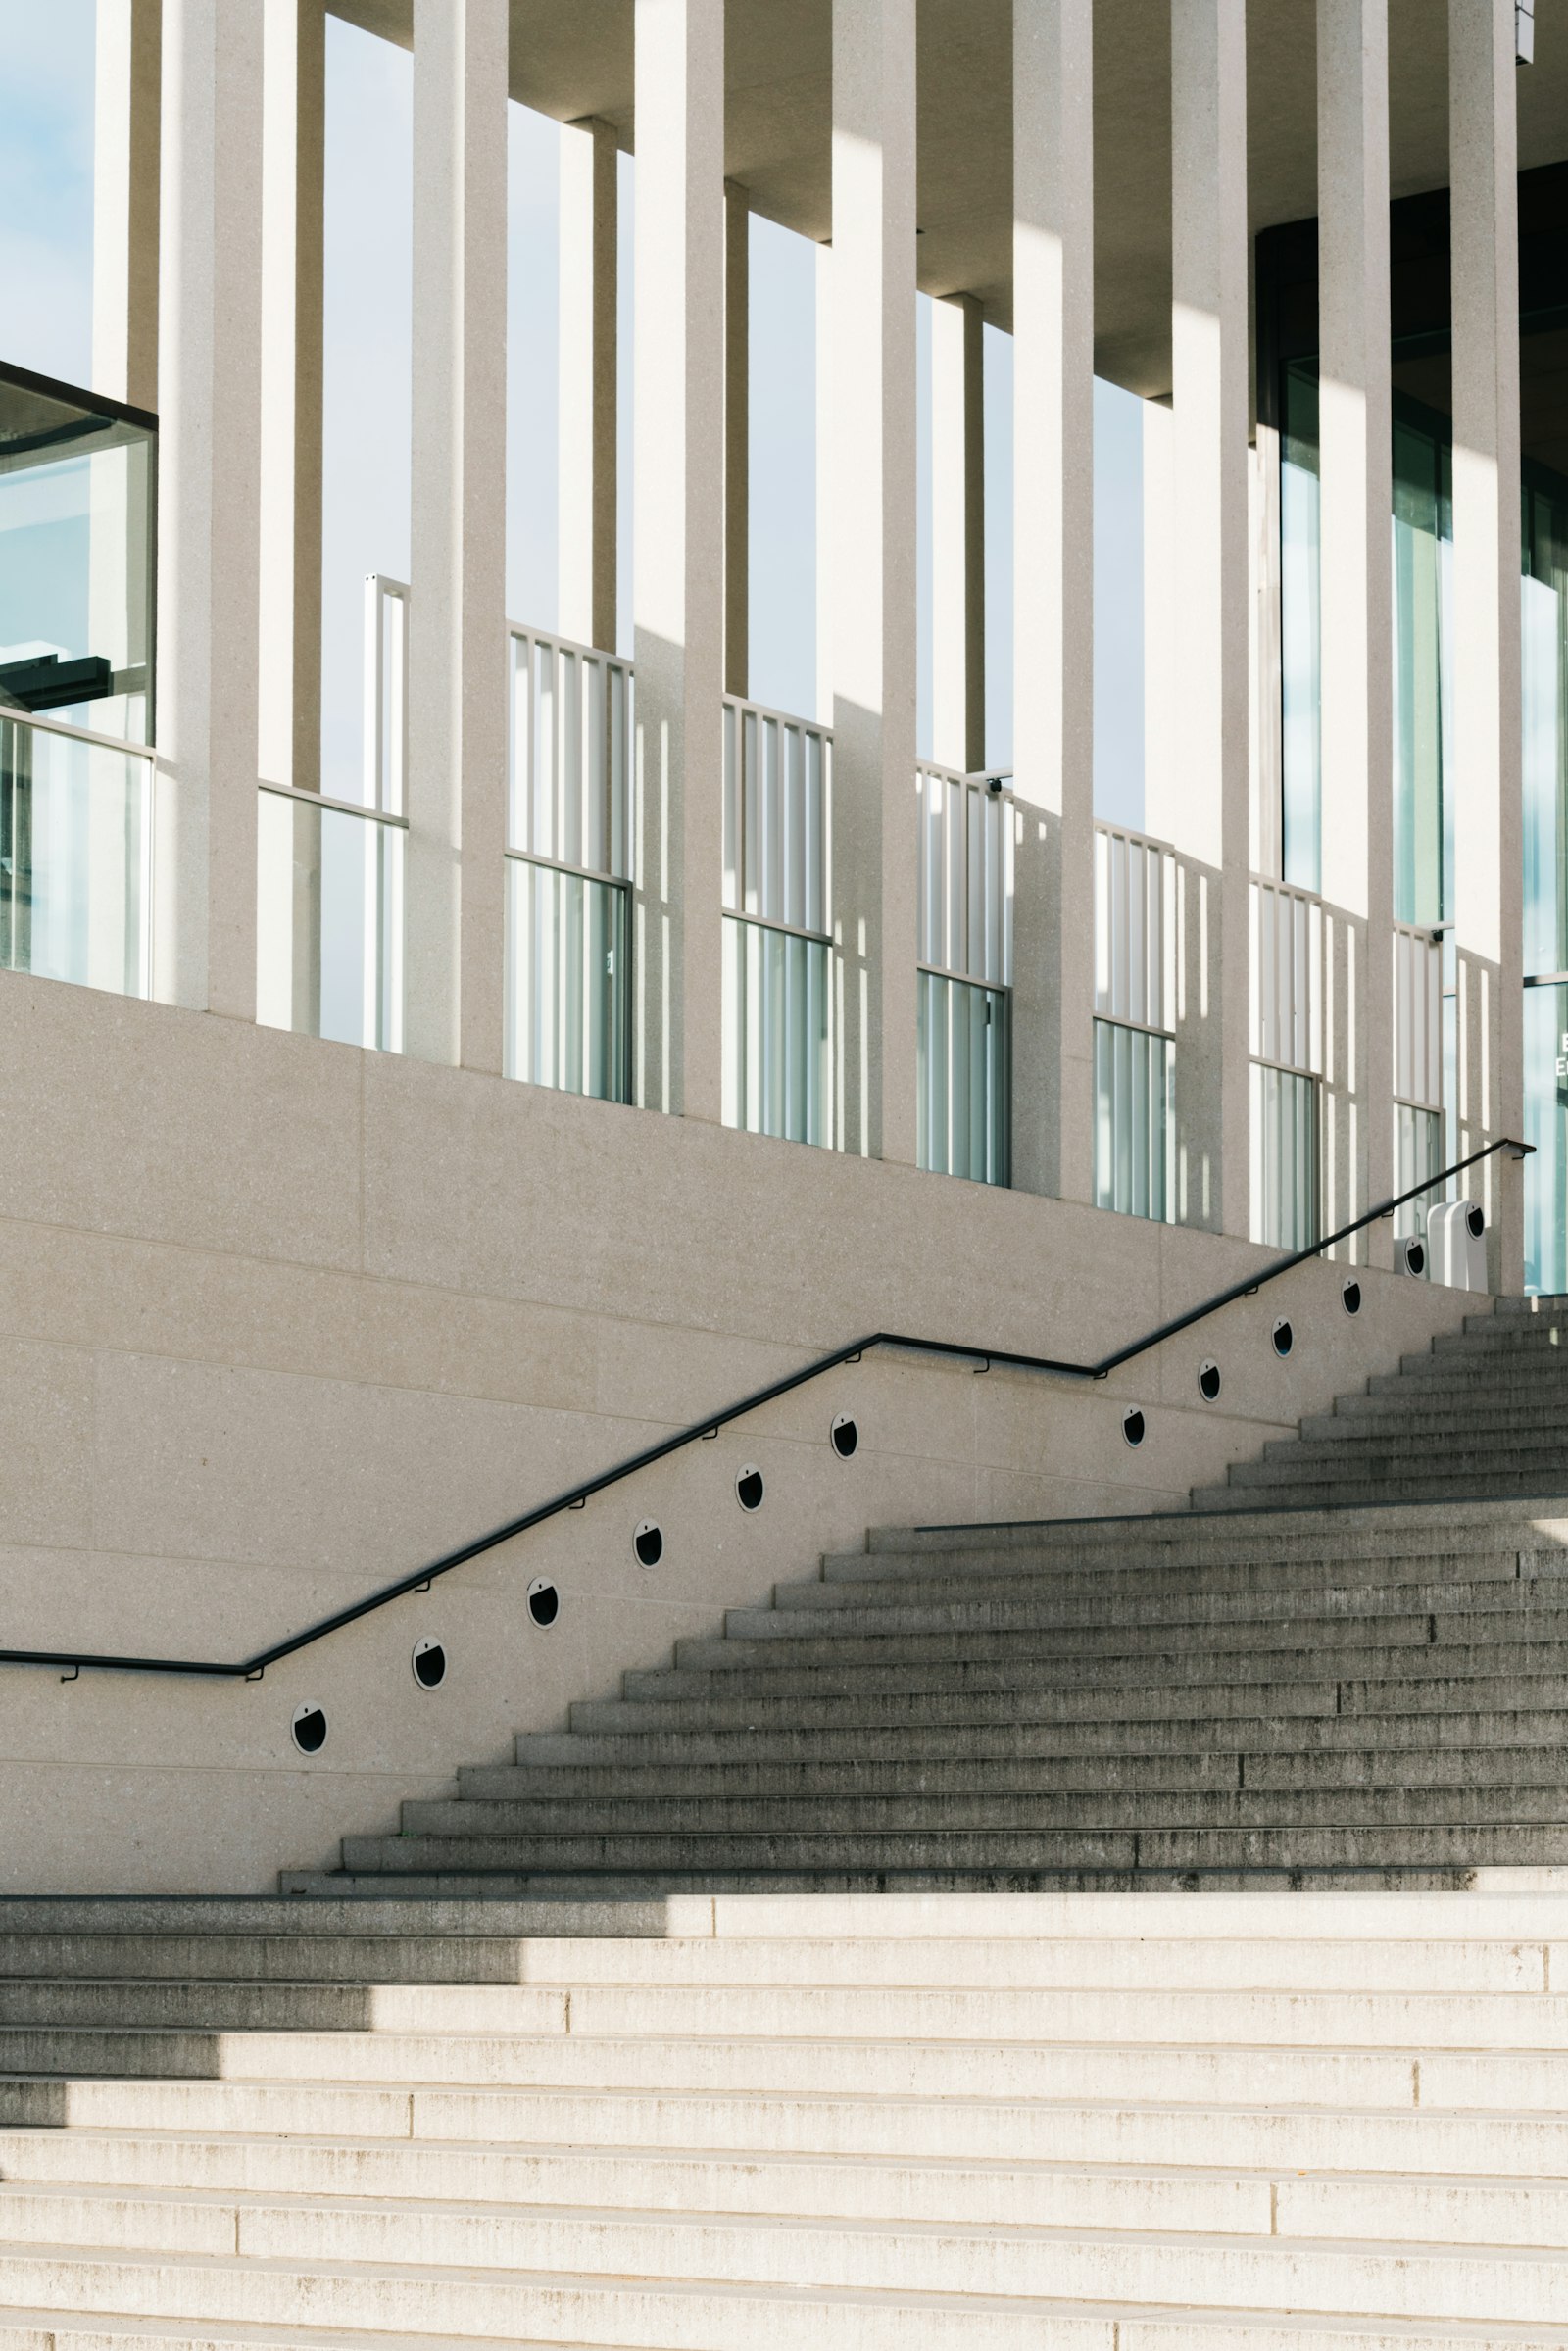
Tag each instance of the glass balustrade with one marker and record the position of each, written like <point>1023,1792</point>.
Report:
<point>1134,1115</point>
<point>77,486</point>
<point>75,858</point>
<point>568,938</point>
<point>963,1106</point>
<point>776,1014</point>
<point>329,921</point>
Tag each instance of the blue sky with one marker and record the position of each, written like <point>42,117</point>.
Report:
<point>46,271</point>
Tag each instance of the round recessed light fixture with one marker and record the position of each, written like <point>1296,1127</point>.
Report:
<point>309,1728</point>
<point>544,1601</point>
<point>1208,1382</point>
<point>748,1488</point>
<point>649,1543</point>
<point>429,1663</point>
<point>845,1435</point>
<point>1131,1425</point>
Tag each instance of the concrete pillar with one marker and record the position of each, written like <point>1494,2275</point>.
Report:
<point>456,613</point>
<point>588,274</point>
<point>127,73</point>
<point>1483,168</point>
<point>959,533</point>
<point>874,519</point>
<point>294,134</point>
<point>1053,422</point>
<point>1357,585</point>
<point>209,376</point>
<point>679,534</point>
<point>737,439</point>
<point>1210,368</point>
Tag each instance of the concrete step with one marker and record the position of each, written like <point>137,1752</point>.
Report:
<point>905,1751</point>
<point>1519,1459</point>
<point>1308,1493</point>
<point>372,2266</point>
<point>919,1812</point>
<point>1030,1699</point>
<point>1360,1846</point>
<point>991,1664</point>
<point>1128,1581</point>
<point>1531,1608</point>
<point>1418,1524</point>
<point>1053,1775</point>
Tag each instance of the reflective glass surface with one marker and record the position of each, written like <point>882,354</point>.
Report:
<point>77,491</point>
<point>75,849</point>
<point>1545,1174</point>
<point>964,1077</point>
<point>1133,1081</point>
<point>776,1033</point>
<point>566,980</point>
<point>329,923</point>
<point>1284,1157</point>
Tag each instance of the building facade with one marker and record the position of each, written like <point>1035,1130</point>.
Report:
<point>450,1043</point>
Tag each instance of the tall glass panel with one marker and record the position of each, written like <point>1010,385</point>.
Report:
<point>962,1125</point>
<point>1423,662</point>
<point>77,493</point>
<point>1417,1157</point>
<point>775,1033</point>
<point>1134,1117</point>
<point>1545,646</point>
<point>1545,1174</point>
<point>1284,1157</point>
<point>76,847</point>
<point>367,371</point>
<point>329,923</point>
<point>1300,636</point>
<point>566,981</point>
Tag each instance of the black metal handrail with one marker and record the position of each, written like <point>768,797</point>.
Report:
<point>251,1669</point>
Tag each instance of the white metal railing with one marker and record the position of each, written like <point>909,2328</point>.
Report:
<point>569,784</point>
<point>569,865</point>
<point>386,695</point>
<point>776,896</point>
<point>75,855</point>
<point>966,876</point>
<point>1287,977</point>
<point>1417,1018</point>
<point>1135,928</point>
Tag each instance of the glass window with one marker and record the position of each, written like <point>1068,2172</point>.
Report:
<point>566,981</point>
<point>1285,1156</point>
<point>1133,1119</point>
<point>1300,649</point>
<point>1545,649</point>
<point>1545,1174</point>
<point>1418,1155</point>
<point>775,1042</point>
<point>1423,660</point>
<point>77,491</point>
<point>964,1082</point>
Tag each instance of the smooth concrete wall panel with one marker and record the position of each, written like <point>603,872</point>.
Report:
<point>280,1321</point>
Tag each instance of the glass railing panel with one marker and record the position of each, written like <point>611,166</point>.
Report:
<point>567,943</point>
<point>1285,1156</point>
<point>1545,1172</point>
<point>1134,1120</point>
<point>963,1117</point>
<point>329,921</point>
<point>78,492</point>
<point>75,858</point>
<point>778,1065</point>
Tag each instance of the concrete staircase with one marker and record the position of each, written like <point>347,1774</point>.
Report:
<point>1320,2105</point>
<point>1340,1691</point>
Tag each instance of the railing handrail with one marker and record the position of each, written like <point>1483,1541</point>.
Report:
<point>76,734</point>
<point>420,1577</point>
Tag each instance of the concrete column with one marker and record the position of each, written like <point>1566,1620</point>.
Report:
<point>959,533</point>
<point>737,439</point>
<point>874,519</point>
<point>1209,366</point>
<point>127,73</point>
<point>678,532</point>
<point>456,613</point>
<point>589,273</point>
<point>293,131</point>
<point>1054,533</point>
<point>1356,586</point>
<point>209,375</point>
<point>1483,168</point>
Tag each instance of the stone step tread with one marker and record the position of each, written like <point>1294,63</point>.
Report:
<point>1347,1804</point>
<point>1349,1601</point>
